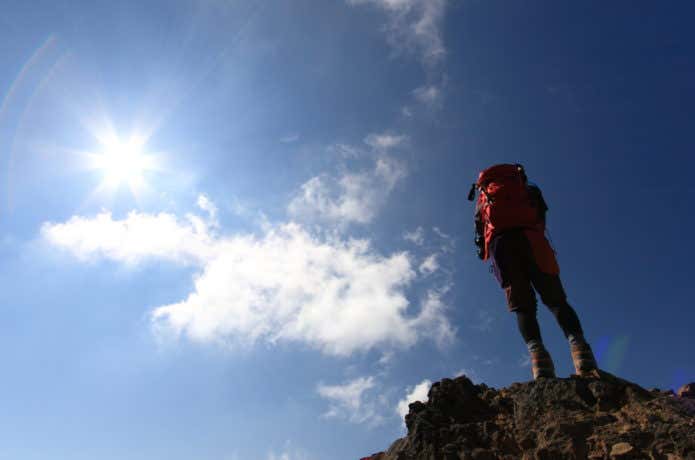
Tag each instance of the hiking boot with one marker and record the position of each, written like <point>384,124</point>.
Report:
<point>583,359</point>
<point>542,364</point>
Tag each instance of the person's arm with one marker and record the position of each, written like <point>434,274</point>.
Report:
<point>537,200</point>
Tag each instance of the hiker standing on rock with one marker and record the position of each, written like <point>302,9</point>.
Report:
<point>510,230</point>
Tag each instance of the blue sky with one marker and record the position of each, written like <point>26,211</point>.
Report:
<point>238,230</point>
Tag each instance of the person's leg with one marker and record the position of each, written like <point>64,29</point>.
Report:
<point>554,297</point>
<point>567,318</point>
<point>541,361</point>
<point>528,325</point>
<point>511,264</point>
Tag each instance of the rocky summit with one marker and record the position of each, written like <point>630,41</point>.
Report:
<point>573,418</point>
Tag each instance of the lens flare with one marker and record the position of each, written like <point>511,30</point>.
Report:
<point>611,352</point>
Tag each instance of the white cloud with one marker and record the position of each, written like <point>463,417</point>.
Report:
<point>349,401</point>
<point>417,236</point>
<point>418,393</point>
<point>350,198</point>
<point>134,239</point>
<point>429,265</point>
<point>385,141</point>
<point>414,25</point>
<point>338,296</point>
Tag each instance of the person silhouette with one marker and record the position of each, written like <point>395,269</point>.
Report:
<point>510,224</point>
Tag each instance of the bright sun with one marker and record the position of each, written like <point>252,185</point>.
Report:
<point>123,162</point>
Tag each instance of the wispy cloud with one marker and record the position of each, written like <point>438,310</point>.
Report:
<point>416,236</point>
<point>447,242</point>
<point>354,197</point>
<point>350,401</point>
<point>290,138</point>
<point>414,25</point>
<point>336,295</point>
<point>433,319</point>
<point>346,151</point>
<point>386,359</point>
<point>416,393</point>
<point>429,265</point>
<point>385,141</point>
<point>484,321</point>
<point>429,95</point>
<point>208,206</point>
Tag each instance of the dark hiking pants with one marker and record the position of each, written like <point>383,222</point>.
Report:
<point>517,267</point>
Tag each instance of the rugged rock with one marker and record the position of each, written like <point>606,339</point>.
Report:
<point>687,391</point>
<point>606,418</point>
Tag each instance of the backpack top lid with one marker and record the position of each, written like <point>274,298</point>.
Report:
<point>499,171</point>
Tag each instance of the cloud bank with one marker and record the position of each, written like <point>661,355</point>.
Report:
<point>336,295</point>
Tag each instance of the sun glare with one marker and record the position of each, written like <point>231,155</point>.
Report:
<point>123,162</point>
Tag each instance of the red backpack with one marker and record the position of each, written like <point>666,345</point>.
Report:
<point>503,203</point>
